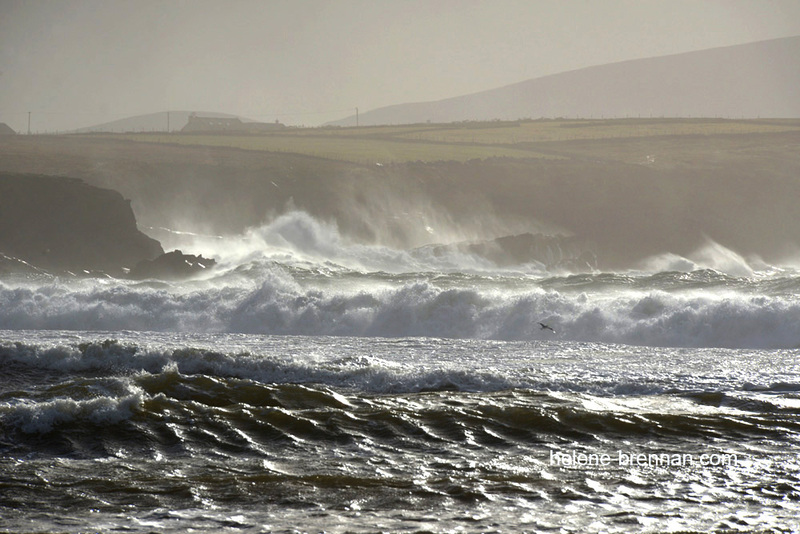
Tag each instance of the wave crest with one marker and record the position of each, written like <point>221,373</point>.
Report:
<point>708,313</point>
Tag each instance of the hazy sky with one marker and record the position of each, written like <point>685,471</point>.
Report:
<point>75,63</point>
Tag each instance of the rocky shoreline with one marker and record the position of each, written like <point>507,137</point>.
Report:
<point>63,226</point>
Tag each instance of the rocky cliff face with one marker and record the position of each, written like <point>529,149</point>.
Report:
<point>63,224</point>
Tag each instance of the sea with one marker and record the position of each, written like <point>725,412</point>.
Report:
<point>308,383</point>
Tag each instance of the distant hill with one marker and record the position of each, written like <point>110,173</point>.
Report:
<point>751,80</point>
<point>152,122</point>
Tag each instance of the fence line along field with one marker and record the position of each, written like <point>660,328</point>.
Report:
<point>462,141</point>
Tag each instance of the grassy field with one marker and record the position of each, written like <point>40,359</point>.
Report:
<point>357,149</point>
<point>461,141</point>
<point>565,130</point>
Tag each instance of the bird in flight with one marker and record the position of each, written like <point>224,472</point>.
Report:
<point>546,327</point>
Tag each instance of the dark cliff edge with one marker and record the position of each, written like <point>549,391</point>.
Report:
<point>63,225</point>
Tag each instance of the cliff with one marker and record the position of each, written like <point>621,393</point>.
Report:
<point>63,224</point>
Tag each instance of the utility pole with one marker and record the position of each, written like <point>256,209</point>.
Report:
<point>356,117</point>
<point>167,121</point>
<point>29,123</point>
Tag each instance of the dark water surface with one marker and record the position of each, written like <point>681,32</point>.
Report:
<point>145,432</point>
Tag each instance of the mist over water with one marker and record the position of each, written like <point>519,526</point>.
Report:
<point>296,236</point>
<point>299,276</point>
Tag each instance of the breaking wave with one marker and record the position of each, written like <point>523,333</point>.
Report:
<point>298,276</point>
<point>711,313</point>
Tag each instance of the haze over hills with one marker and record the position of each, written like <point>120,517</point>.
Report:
<point>743,81</point>
<point>153,122</point>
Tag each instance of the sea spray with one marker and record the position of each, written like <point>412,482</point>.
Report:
<point>698,311</point>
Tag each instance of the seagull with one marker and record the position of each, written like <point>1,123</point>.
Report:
<point>546,327</point>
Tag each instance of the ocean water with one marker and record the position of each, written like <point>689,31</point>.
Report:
<point>309,384</point>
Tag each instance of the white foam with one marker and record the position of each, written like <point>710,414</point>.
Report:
<point>299,276</point>
<point>44,416</point>
<point>378,365</point>
<point>277,303</point>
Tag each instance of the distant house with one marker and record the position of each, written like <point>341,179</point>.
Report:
<point>228,125</point>
<point>5,129</point>
<point>212,124</point>
<point>258,127</point>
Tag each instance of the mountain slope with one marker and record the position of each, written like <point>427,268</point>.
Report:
<point>751,80</point>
